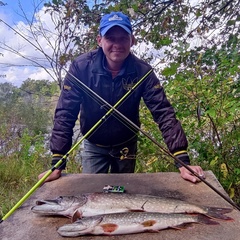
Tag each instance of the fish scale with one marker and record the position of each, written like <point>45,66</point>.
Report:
<point>102,203</point>
<point>129,223</point>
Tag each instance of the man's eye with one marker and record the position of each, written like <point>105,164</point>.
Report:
<point>113,39</point>
<point>108,38</point>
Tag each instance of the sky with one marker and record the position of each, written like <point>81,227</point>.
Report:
<point>13,68</point>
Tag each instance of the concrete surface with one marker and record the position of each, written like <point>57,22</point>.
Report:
<point>23,224</point>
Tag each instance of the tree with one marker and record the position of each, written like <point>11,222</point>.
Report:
<point>2,4</point>
<point>28,108</point>
<point>168,25</point>
<point>172,25</point>
<point>53,44</point>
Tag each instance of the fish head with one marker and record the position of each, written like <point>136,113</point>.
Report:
<point>63,205</point>
<point>80,227</point>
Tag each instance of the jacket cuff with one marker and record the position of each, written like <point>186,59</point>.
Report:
<point>56,158</point>
<point>182,156</point>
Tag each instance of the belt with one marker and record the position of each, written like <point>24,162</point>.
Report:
<point>116,145</point>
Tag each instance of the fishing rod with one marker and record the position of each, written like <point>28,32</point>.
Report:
<point>135,127</point>
<point>64,158</point>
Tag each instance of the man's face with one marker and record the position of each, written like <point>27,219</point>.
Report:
<point>116,44</point>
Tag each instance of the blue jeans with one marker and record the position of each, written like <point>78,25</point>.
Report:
<point>98,159</point>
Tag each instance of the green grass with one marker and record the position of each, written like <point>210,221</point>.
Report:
<point>17,177</point>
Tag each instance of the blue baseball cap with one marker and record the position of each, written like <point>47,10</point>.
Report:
<point>115,19</point>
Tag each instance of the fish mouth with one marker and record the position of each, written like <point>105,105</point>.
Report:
<point>48,207</point>
<point>62,205</point>
<point>49,202</point>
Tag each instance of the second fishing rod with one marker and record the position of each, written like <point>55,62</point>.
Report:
<point>122,118</point>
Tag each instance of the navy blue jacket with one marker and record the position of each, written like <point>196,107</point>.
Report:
<point>89,69</point>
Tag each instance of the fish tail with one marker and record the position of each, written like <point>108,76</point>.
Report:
<point>206,220</point>
<point>218,213</point>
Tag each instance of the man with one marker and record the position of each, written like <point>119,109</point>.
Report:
<point>110,71</point>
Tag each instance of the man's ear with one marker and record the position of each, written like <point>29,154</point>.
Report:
<point>99,40</point>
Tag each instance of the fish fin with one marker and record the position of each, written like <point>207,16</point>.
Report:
<point>218,213</point>
<point>136,210</point>
<point>109,227</point>
<point>206,220</point>
<point>153,231</point>
<point>182,226</point>
<point>202,219</point>
<point>148,223</point>
<point>76,215</point>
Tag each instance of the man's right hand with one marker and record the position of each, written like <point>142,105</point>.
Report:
<point>53,176</point>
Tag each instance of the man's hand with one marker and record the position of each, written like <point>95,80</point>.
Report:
<point>53,176</point>
<point>187,175</point>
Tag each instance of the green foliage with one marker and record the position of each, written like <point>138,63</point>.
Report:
<point>19,170</point>
<point>150,157</point>
<point>170,25</point>
<point>27,106</point>
<point>25,115</point>
<point>206,97</point>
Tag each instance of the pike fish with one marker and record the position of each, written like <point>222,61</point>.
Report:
<point>92,204</point>
<point>130,222</point>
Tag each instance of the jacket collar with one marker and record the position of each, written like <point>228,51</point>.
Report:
<point>98,66</point>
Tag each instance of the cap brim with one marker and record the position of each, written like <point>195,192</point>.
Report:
<point>104,30</point>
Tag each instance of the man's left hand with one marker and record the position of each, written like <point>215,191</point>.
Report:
<point>187,175</point>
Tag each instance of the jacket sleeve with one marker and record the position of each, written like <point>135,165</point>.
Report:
<point>66,114</point>
<point>164,115</point>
